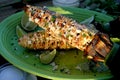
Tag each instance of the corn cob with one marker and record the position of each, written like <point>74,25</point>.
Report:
<point>61,28</point>
<point>43,40</point>
<point>61,32</point>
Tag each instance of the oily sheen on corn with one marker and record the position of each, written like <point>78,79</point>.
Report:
<point>59,31</point>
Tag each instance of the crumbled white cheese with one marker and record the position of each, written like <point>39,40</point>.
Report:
<point>29,42</point>
<point>36,20</point>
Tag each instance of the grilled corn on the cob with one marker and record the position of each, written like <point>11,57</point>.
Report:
<point>43,40</point>
<point>60,28</point>
<point>64,33</point>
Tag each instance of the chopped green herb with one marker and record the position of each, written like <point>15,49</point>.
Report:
<point>84,35</point>
<point>53,18</point>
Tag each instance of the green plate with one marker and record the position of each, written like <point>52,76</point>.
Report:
<point>27,61</point>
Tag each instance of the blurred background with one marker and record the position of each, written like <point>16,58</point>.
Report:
<point>108,7</point>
